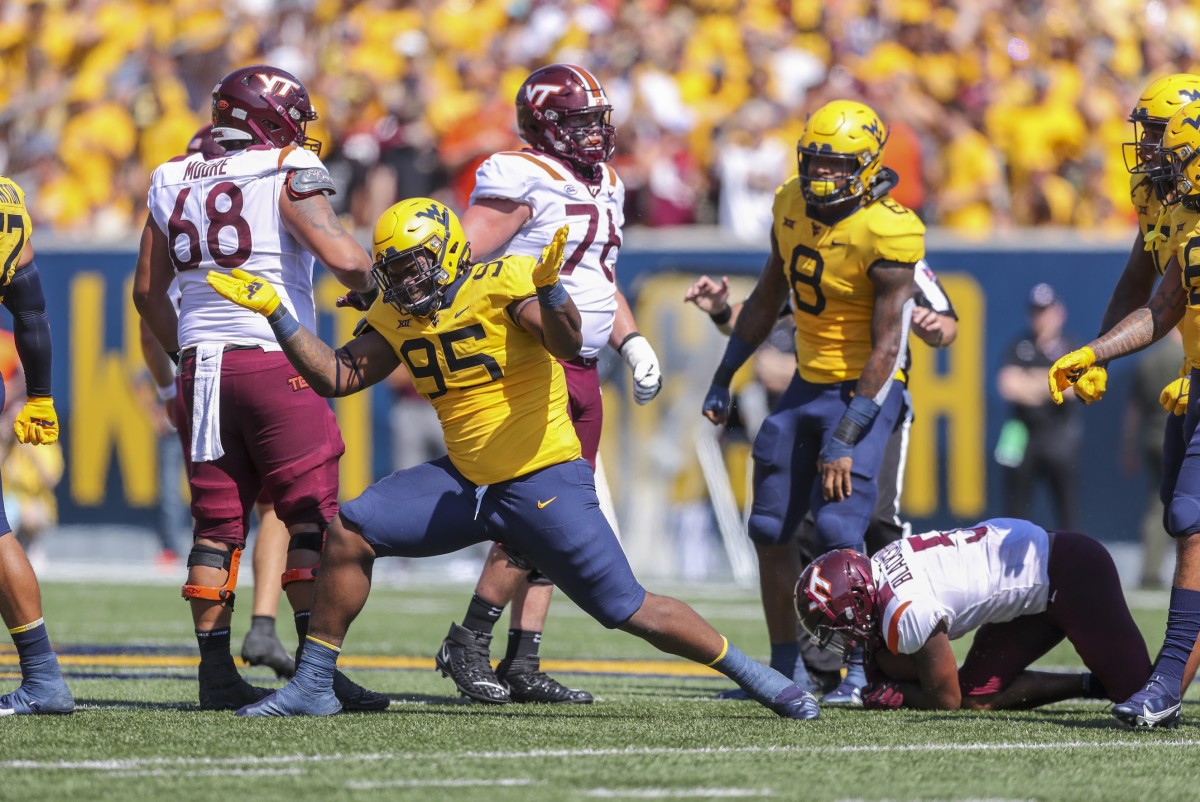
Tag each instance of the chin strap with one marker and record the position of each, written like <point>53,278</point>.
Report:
<point>884,182</point>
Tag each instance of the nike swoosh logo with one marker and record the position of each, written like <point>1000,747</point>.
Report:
<point>1154,718</point>
<point>542,504</point>
<point>460,311</point>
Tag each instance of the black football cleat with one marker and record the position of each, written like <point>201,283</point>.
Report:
<point>465,658</point>
<point>355,698</point>
<point>226,690</point>
<point>526,683</point>
<point>263,648</point>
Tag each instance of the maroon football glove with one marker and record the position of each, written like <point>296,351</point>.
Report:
<point>357,300</point>
<point>882,696</point>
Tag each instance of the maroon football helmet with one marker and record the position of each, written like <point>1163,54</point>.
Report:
<point>262,105</point>
<point>203,142</point>
<point>835,599</point>
<point>562,110</point>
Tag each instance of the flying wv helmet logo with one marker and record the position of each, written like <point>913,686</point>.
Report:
<point>277,85</point>
<point>1193,121</point>
<point>1190,94</point>
<point>875,130</point>
<point>435,214</point>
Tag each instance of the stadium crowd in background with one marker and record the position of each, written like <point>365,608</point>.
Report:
<point>1002,113</point>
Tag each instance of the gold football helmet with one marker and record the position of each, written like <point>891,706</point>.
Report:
<point>419,250</point>
<point>840,152</point>
<point>1177,174</point>
<point>1158,103</point>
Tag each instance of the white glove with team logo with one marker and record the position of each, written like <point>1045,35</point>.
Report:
<point>641,359</point>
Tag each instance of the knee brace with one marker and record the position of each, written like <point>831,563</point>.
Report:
<point>1182,516</point>
<point>309,541</point>
<point>210,557</point>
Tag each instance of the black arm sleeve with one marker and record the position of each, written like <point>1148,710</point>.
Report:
<point>31,328</point>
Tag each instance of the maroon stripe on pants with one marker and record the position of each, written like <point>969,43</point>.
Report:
<point>1086,606</point>
<point>584,404</point>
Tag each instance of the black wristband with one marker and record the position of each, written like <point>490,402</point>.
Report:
<point>628,337</point>
<point>722,317</point>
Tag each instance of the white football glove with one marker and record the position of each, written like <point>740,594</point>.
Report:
<point>641,359</point>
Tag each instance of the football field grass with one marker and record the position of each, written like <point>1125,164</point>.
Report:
<point>655,731</point>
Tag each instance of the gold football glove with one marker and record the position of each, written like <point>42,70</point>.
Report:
<point>245,290</point>
<point>545,273</point>
<point>37,423</point>
<point>1174,397</point>
<point>1068,370</point>
<point>1092,385</point>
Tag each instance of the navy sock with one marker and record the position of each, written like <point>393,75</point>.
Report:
<point>31,639</point>
<point>786,659</point>
<point>1183,625</point>
<point>481,615</point>
<point>318,662</point>
<point>761,683</point>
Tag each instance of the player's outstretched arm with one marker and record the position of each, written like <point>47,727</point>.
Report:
<point>1134,286</point>
<point>491,222</point>
<point>553,317</point>
<point>355,366</point>
<point>754,322</point>
<point>314,224</point>
<point>1140,328</point>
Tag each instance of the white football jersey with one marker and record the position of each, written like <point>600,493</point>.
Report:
<point>557,197</point>
<point>222,213</point>
<point>990,573</point>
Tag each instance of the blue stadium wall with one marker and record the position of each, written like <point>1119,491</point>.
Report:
<point>109,446</point>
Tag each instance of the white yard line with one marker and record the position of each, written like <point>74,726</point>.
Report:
<point>134,764</point>
<point>373,785</point>
<point>678,793</point>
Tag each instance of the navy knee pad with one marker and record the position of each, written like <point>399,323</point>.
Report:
<point>1182,516</point>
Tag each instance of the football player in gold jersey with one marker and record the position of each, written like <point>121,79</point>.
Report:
<point>1176,177</point>
<point>42,688</point>
<point>845,253</point>
<point>1148,258</point>
<point>481,342</point>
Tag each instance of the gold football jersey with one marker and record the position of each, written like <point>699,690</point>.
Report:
<point>1185,246</point>
<point>15,229</point>
<point>833,298</point>
<point>1150,218</point>
<point>500,396</point>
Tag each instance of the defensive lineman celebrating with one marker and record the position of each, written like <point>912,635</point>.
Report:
<point>481,341</point>
<point>520,199</point>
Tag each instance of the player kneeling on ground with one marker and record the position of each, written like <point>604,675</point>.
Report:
<point>481,342</point>
<point>1024,588</point>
